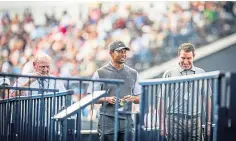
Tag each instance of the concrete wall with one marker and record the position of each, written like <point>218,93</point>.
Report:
<point>218,55</point>
<point>224,60</point>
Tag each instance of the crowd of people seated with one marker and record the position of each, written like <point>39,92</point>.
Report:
<point>78,49</point>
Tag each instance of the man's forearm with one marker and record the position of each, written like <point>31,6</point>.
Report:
<point>134,99</point>
<point>161,108</point>
<point>101,100</point>
<point>209,109</point>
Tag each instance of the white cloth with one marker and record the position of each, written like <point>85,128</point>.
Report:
<point>48,84</point>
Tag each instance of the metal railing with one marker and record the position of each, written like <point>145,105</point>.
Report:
<point>177,108</point>
<point>180,108</point>
<point>27,109</point>
<point>29,117</point>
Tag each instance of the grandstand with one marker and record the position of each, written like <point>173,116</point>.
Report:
<point>77,35</point>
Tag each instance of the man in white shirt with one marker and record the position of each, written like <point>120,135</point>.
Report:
<point>42,65</point>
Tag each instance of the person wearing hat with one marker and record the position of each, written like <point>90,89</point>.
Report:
<point>129,91</point>
<point>4,91</point>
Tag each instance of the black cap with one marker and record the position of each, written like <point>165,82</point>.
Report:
<point>118,45</point>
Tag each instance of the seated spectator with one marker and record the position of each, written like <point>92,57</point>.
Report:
<point>41,64</point>
<point>150,35</point>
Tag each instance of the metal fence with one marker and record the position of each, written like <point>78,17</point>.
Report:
<point>27,109</point>
<point>29,118</point>
<point>180,108</point>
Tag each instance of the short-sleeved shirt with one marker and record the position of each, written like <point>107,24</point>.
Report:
<point>184,98</point>
<point>47,84</point>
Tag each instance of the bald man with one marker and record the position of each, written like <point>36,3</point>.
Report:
<point>42,66</point>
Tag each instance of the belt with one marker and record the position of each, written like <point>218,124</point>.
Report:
<point>184,116</point>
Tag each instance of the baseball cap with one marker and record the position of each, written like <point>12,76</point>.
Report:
<point>118,45</point>
<point>4,81</point>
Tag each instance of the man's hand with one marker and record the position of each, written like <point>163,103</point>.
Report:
<point>163,132</point>
<point>112,100</point>
<point>208,129</point>
<point>130,98</point>
<point>31,80</point>
<point>23,82</point>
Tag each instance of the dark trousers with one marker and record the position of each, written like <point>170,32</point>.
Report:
<point>110,137</point>
<point>106,129</point>
<point>183,129</point>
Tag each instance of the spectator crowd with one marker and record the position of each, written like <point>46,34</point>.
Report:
<point>78,49</point>
<point>152,32</point>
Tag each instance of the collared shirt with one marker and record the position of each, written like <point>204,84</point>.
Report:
<point>178,71</point>
<point>46,84</point>
<point>185,97</point>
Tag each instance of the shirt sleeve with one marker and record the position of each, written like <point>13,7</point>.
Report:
<point>161,88</point>
<point>60,86</point>
<point>166,74</point>
<point>94,86</point>
<point>137,87</point>
<point>19,83</point>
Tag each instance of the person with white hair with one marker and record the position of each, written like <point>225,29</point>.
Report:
<point>42,66</point>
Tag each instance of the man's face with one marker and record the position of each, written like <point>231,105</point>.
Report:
<point>119,57</point>
<point>42,67</point>
<point>186,59</point>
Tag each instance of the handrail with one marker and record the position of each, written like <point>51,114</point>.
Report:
<point>74,108</point>
<point>38,96</point>
<point>207,75</point>
<point>111,81</point>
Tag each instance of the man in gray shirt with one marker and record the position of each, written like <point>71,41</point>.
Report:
<point>129,92</point>
<point>183,102</point>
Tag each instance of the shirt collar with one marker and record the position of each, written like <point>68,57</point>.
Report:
<point>115,67</point>
<point>181,69</point>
